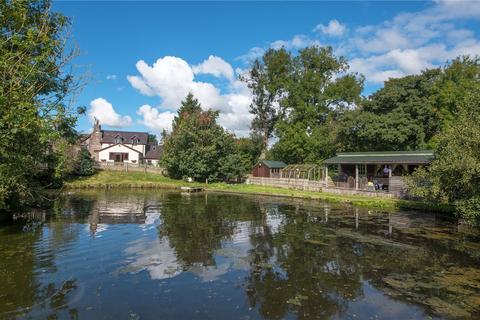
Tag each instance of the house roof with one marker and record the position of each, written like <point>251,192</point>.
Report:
<point>382,157</point>
<point>118,144</point>
<point>108,136</point>
<point>274,164</point>
<point>154,152</point>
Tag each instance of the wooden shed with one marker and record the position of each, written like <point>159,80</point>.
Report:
<point>268,169</point>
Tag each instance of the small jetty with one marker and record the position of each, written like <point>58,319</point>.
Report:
<point>191,189</point>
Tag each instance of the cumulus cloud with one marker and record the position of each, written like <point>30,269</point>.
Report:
<point>154,119</point>
<point>332,29</point>
<point>215,66</point>
<point>172,78</point>
<point>103,110</point>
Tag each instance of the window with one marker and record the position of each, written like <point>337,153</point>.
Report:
<point>134,140</point>
<point>362,170</point>
<point>149,161</point>
<point>118,139</point>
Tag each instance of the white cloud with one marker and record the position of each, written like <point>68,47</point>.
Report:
<point>251,55</point>
<point>297,42</point>
<point>104,112</point>
<point>405,44</point>
<point>411,42</point>
<point>111,77</point>
<point>154,119</point>
<point>172,78</point>
<point>215,66</point>
<point>333,29</point>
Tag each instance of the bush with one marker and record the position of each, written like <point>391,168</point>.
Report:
<point>85,164</point>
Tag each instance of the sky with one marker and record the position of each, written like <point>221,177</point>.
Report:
<point>140,59</point>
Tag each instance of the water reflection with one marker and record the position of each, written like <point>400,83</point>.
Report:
<point>199,256</point>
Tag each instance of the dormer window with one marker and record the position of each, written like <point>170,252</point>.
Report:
<point>118,140</point>
<point>134,140</point>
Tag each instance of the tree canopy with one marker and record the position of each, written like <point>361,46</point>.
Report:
<point>454,174</point>
<point>199,148</point>
<point>409,113</point>
<point>298,97</point>
<point>35,120</point>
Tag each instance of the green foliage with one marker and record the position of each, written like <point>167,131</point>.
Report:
<point>234,166</point>
<point>268,79</point>
<point>250,148</point>
<point>409,113</point>
<point>298,99</point>
<point>34,120</point>
<point>198,147</point>
<point>454,174</point>
<point>85,164</point>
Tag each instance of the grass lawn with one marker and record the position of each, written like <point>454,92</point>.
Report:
<point>119,179</point>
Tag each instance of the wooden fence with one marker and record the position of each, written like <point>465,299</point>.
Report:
<point>130,167</point>
<point>300,184</point>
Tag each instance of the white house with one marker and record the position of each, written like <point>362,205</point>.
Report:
<point>113,146</point>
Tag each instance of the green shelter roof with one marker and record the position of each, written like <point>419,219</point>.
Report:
<point>382,157</point>
<point>274,164</point>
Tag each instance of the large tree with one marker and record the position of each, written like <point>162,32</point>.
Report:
<point>268,79</point>
<point>319,91</point>
<point>199,148</point>
<point>454,175</point>
<point>34,117</point>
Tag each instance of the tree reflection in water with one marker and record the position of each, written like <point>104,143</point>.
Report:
<point>235,256</point>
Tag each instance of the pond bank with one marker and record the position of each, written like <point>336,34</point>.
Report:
<point>112,180</point>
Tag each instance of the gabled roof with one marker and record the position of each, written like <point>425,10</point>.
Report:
<point>382,157</point>
<point>274,164</point>
<point>108,136</point>
<point>118,144</point>
<point>154,152</point>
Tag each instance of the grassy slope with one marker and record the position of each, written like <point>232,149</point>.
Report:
<point>118,179</point>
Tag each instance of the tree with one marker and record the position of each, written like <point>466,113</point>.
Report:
<point>410,113</point>
<point>268,80</point>
<point>319,91</point>
<point>250,147</point>
<point>454,174</point>
<point>84,164</point>
<point>198,147</point>
<point>34,88</point>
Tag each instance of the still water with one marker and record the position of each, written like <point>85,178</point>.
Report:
<point>167,255</point>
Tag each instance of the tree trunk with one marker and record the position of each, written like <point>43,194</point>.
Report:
<point>263,154</point>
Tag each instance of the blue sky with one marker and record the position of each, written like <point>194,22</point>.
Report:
<point>142,57</point>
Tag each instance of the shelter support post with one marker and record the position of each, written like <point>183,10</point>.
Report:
<point>326,176</point>
<point>356,177</point>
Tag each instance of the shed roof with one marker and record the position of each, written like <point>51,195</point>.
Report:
<point>382,157</point>
<point>274,164</point>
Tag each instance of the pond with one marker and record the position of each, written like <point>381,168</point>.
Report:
<point>167,255</point>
